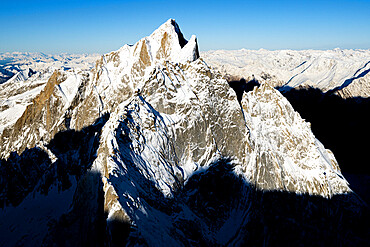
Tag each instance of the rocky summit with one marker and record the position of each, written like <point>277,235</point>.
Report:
<point>152,147</point>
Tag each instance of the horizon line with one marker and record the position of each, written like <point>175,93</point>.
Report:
<point>209,50</point>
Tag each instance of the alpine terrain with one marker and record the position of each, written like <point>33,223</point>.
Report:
<point>152,147</point>
<point>21,65</point>
<point>343,72</point>
<point>330,89</point>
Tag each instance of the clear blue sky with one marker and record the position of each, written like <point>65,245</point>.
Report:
<point>56,26</point>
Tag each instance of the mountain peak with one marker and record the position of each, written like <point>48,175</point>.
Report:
<point>168,43</point>
<point>173,24</point>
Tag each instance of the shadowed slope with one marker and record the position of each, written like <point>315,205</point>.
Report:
<point>217,208</point>
<point>59,203</point>
<point>342,125</point>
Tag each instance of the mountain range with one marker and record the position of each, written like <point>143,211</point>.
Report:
<point>344,72</point>
<point>152,146</point>
<point>21,65</point>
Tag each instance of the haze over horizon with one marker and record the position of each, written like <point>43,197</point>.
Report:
<point>99,27</point>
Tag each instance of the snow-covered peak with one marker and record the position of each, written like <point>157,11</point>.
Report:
<point>167,40</point>
<point>166,43</point>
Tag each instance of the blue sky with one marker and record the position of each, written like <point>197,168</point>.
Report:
<point>102,26</point>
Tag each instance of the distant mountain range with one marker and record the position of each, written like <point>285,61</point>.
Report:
<point>16,65</point>
<point>345,72</point>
